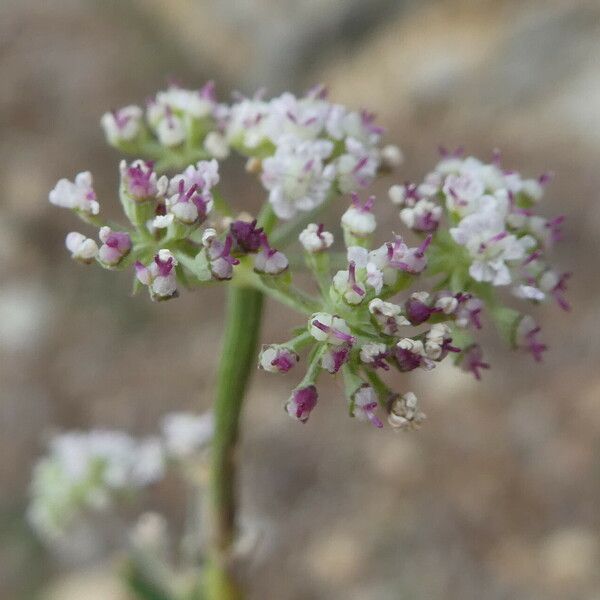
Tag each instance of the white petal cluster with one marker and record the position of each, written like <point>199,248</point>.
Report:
<point>297,177</point>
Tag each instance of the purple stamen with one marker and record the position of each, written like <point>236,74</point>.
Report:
<point>352,279</point>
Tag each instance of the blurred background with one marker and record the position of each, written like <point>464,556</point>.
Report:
<point>497,496</point>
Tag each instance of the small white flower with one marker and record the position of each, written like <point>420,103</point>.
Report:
<point>357,167</point>
<point>405,414</point>
<point>391,157</point>
<point>315,239</point>
<point>359,219</point>
<point>122,125</point>
<point>170,131</point>
<point>216,145</point>
<point>77,195</point>
<point>325,327</point>
<point>82,248</point>
<point>185,434</point>
<point>370,351</point>
<point>296,176</point>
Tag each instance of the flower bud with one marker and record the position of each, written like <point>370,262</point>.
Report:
<point>315,239</point>
<point>77,195</point>
<point>277,359</point>
<point>301,403</point>
<point>81,248</point>
<point>404,413</point>
<point>115,246</point>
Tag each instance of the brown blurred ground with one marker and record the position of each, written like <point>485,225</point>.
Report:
<point>497,496</point>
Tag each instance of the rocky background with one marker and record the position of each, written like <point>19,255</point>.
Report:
<point>497,497</point>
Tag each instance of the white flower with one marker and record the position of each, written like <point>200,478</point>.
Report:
<point>490,245</point>
<point>246,123</point>
<point>370,351</point>
<point>463,193</point>
<point>170,131</point>
<point>325,327</point>
<point>204,174</point>
<point>361,258</point>
<point>185,433</point>
<point>296,177</point>
<point>159,275</point>
<point>315,239</point>
<point>405,413</point>
<point>81,248</point>
<point>302,118</point>
<point>388,316</point>
<point>359,219</point>
<point>77,195</point>
<point>391,157</point>
<point>191,102</point>
<point>357,167</point>
<point>216,145</point>
<point>122,125</point>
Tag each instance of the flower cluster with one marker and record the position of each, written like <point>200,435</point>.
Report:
<point>86,472</point>
<point>487,234</point>
<point>305,149</point>
<point>475,223</point>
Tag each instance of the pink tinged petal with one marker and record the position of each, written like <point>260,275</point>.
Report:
<point>142,273</point>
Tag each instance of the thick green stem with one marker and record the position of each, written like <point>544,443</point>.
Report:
<point>244,309</point>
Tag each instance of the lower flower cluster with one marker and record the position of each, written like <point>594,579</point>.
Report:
<point>87,472</point>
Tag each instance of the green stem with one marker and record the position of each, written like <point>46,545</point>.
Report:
<point>240,341</point>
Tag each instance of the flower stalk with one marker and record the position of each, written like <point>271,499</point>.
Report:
<point>240,342</point>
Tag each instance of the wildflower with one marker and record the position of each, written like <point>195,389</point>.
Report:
<point>159,275</point>
<point>405,414</point>
<point>391,157</point>
<point>185,434</point>
<point>490,246</point>
<point>367,269</point>
<point>247,236</point>
<point>122,125</point>
<point>140,182</point>
<point>359,219</point>
<point>115,246</point>
<point>387,316</point>
<point>374,354</point>
<point>78,195</point>
<point>81,248</point>
<point>410,354</point>
<point>357,167</point>
<point>417,309</point>
<point>325,327</point>
<point>301,403</point>
<point>268,260</point>
<point>217,254</point>
<point>277,359</point>
<point>397,256</point>
<point>296,177</point>
<point>471,360</point>
<point>345,284</point>
<point>335,357</point>
<point>189,206</point>
<point>526,337</point>
<point>314,238</point>
<point>204,175</point>
<point>84,472</point>
<point>364,404</point>
<point>216,145</point>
